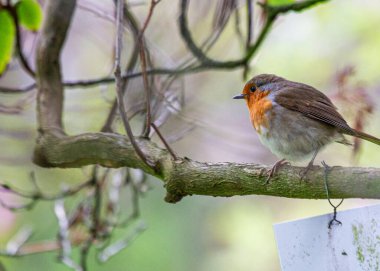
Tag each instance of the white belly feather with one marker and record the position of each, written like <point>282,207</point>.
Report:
<point>293,136</point>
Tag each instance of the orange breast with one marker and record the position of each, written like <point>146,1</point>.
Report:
<point>258,105</point>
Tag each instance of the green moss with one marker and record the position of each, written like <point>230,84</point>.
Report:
<point>357,232</point>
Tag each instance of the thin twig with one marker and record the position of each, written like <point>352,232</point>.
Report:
<point>195,50</point>
<point>10,90</point>
<point>249,23</point>
<point>239,34</point>
<point>119,83</point>
<point>97,203</point>
<point>107,127</point>
<point>111,80</point>
<point>19,106</point>
<point>96,12</point>
<point>164,141</point>
<point>39,195</point>
<point>148,117</point>
<point>84,254</point>
<point>115,248</point>
<point>33,248</point>
<point>20,52</point>
<point>14,245</point>
<point>15,208</point>
<point>206,63</point>
<point>63,236</point>
<point>113,205</point>
<point>272,13</point>
<point>134,181</point>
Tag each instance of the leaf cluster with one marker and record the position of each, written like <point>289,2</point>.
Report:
<point>25,13</point>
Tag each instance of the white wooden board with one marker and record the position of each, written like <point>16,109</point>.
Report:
<point>308,244</point>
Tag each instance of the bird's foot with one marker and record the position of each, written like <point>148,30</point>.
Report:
<point>275,169</point>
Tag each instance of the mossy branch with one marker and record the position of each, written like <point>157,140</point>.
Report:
<point>184,176</point>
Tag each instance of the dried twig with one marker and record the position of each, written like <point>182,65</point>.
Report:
<point>39,195</point>
<point>141,42</point>
<point>15,244</point>
<point>206,63</point>
<point>115,248</point>
<point>164,141</point>
<point>107,127</point>
<point>10,90</point>
<point>19,106</point>
<point>63,236</point>
<point>119,83</point>
<point>249,23</point>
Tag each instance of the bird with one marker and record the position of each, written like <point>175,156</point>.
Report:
<point>294,120</point>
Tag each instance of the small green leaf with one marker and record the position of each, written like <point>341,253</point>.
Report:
<point>29,13</point>
<point>280,2</point>
<point>7,37</point>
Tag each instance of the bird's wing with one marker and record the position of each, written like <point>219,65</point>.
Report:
<point>313,104</point>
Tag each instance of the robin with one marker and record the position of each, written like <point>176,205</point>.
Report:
<point>294,120</point>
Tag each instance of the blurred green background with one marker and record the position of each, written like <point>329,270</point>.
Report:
<point>198,233</point>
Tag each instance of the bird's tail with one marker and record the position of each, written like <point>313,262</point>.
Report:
<point>367,137</point>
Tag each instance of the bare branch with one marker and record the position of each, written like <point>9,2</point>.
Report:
<point>49,81</point>
<point>33,248</point>
<point>9,90</point>
<point>14,208</point>
<point>206,63</point>
<point>119,82</point>
<point>196,51</point>
<point>63,236</point>
<point>14,245</point>
<point>272,12</point>
<point>164,141</point>
<point>249,23</point>
<point>148,118</point>
<point>185,177</point>
<point>115,248</point>
<point>131,20</point>
<point>39,195</point>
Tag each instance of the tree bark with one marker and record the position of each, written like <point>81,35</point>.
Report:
<point>184,176</point>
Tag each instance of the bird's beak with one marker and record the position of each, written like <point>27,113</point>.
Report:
<point>240,96</point>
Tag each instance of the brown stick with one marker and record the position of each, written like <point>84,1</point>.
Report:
<point>49,80</point>
<point>148,118</point>
<point>119,82</point>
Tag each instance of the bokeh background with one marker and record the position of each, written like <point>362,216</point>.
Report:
<point>198,233</point>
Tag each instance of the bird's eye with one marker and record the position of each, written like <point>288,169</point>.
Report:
<point>253,89</point>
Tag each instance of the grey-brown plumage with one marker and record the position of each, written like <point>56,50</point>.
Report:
<point>295,120</point>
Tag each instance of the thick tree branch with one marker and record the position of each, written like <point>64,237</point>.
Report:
<point>49,83</point>
<point>186,177</point>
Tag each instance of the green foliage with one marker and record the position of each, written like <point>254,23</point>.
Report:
<point>7,36</point>
<point>280,2</point>
<point>30,14</point>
